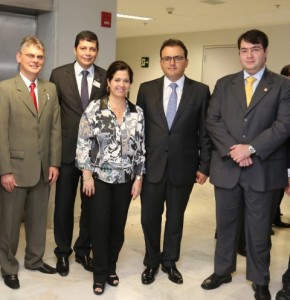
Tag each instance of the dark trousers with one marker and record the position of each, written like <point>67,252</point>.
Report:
<point>286,276</point>
<point>108,210</point>
<point>65,194</point>
<point>153,198</point>
<point>257,210</point>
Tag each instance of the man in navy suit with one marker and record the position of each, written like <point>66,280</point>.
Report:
<point>248,161</point>
<point>177,155</point>
<point>68,81</point>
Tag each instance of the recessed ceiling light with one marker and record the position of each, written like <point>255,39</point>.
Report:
<point>134,17</point>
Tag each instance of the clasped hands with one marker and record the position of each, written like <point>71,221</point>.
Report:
<point>241,155</point>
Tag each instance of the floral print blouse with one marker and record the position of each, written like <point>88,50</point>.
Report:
<point>113,152</point>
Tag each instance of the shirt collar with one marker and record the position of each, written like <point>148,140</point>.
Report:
<point>27,81</point>
<point>179,82</point>
<point>258,75</point>
<point>79,69</point>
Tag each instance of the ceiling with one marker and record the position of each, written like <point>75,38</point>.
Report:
<point>199,15</point>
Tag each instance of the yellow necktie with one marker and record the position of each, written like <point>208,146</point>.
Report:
<point>249,89</point>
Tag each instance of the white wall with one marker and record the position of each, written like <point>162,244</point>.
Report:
<point>132,49</point>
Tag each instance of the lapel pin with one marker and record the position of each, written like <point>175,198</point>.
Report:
<point>265,89</point>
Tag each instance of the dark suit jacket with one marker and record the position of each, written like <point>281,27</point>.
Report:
<point>186,147</point>
<point>71,107</point>
<point>30,141</point>
<point>265,125</point>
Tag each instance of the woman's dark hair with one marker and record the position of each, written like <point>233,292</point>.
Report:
<point>254,36</point>
<point>285,71</point>
<point>119,65</point>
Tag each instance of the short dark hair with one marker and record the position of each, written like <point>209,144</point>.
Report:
<point>254,36</point>
<point>116,66</point>
<point>87,36</point>
<point>173,43</point>
<point>285,71</point>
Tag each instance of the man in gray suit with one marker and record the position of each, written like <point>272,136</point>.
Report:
<point>177,155</point>
<point>30,152</point>
<point>74,93</point>
<point>248,161</point>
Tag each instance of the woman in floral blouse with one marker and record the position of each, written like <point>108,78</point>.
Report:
<point>111,154</point>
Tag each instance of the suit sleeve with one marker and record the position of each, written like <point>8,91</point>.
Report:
<point>205,144</point>
<point>218,132</point>
<point>55,137</point>
<point>5,165</point>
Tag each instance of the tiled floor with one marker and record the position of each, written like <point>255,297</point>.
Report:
<point>196,263</point>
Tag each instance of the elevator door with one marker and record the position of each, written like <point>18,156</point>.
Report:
<point>14,28</point>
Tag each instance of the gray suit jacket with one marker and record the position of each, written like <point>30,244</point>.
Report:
<point>71,107</point>
<point>186,147</point>
<point>30,142</point>
<point>265,125</point>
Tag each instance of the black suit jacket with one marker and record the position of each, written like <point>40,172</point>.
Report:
<point>71,107</point>
<point>265,125</point>
<point>185,148</point>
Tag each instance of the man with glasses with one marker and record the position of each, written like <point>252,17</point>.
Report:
<point>178,152</point>
<point>248,121</point>
<point>30,137</point>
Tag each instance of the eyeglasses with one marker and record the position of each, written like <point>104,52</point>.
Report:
<point>254,50</point>
<point>176,59</point>
<point>33,56</point>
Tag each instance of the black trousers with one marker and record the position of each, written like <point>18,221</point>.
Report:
<point>286,276</point>
<point>108,210</point>
<point>65,194</point>
<point>153,198</point>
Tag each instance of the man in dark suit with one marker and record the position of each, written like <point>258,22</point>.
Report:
<point>177,155</point>
<point>75,90</point>
<point>30,153</point>
<point>249,124</point>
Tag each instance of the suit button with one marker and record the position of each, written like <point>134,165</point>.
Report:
<point>244,136</point>
<point>166,150</point>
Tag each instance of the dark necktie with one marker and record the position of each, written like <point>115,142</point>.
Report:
<point>85,89</point>
<point>172,104</point>
<point>33,96</point>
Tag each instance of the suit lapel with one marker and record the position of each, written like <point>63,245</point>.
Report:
<point>158,90</point>
<point>24,95</point>
<point>238,90</point>
<point>96,84</point>
<point>186,94</point>
<point>43,96</point>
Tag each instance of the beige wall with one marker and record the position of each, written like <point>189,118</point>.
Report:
<point>132,49</point>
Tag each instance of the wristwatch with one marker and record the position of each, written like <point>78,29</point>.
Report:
<point>252,150</point>
<point>138,177</point>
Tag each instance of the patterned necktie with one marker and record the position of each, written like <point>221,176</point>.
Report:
<point>172,104</point>
<point>249,89</point>
<point>85,89</point>
<point>33,96</point>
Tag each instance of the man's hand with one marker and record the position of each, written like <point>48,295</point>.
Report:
<point>239,152</point>
<point>246,162</point>
<point>287,188</point>
<point>200,177</point>
<point>53,174</point>
<point>8,182</point>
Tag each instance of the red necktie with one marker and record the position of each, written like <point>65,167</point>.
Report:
<point>32,93</point>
